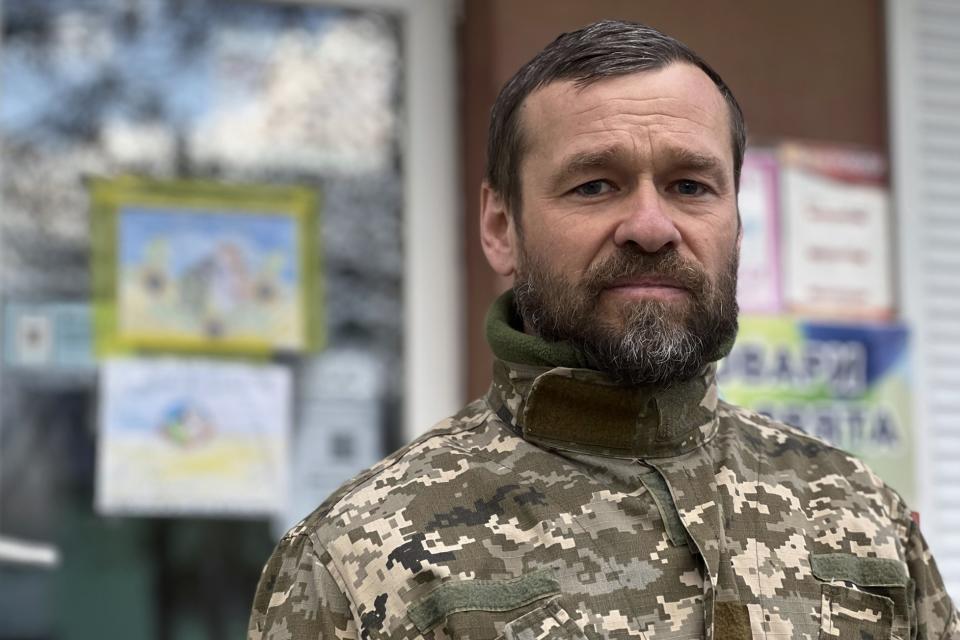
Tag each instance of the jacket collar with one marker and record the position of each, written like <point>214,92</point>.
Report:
<point>545,394</point>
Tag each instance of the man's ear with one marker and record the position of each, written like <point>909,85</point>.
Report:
<point>498,235</point>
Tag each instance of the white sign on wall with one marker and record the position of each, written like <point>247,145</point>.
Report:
<point>836,216</point>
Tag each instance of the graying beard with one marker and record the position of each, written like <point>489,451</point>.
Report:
<point>534,314</point>
<point>650,351</point>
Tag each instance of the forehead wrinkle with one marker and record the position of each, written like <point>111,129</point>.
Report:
<point>708,116</point>
<point>657,123</point>
<point>638,129</point>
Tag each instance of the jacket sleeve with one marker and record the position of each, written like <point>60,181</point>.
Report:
<point>297,597</point>
<point>935,614</point>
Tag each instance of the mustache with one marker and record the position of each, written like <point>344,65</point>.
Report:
<point>633,262</point>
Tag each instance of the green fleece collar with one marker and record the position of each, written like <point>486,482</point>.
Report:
<point>509,343</point>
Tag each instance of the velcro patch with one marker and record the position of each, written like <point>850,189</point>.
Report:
<point>731,621</point>
<point>482,595</point>
<point>866,572</point>
<point>606,419</point>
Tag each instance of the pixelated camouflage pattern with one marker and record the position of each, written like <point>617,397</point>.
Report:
<point>473,502</point>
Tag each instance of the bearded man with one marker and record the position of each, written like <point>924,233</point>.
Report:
<point>601,488</point>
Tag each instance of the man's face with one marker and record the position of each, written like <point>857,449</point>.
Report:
<point>627,242</point>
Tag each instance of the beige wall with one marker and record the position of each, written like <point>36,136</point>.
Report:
<point>812,70</point>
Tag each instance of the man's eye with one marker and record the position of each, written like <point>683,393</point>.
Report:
<point>690,188</point>
<point>593,188</point>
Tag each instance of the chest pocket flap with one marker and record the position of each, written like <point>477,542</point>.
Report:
<point>864,597</point>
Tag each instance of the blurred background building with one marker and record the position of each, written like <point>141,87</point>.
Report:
<point>379,109</point>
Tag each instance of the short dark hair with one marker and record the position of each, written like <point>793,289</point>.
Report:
<point>600,50</point>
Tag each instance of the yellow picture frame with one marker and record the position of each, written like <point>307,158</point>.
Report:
<point>204,267</point>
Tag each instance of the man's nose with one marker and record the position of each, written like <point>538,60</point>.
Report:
<point>646,222</point>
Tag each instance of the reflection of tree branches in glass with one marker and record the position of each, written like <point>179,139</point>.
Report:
<point>106,60</point>
<point>205,88</point>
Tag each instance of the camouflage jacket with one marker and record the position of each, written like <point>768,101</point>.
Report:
<point>562,505</point>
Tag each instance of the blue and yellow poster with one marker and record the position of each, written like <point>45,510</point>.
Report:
<point>846,384</point>
<point>192,436</point>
